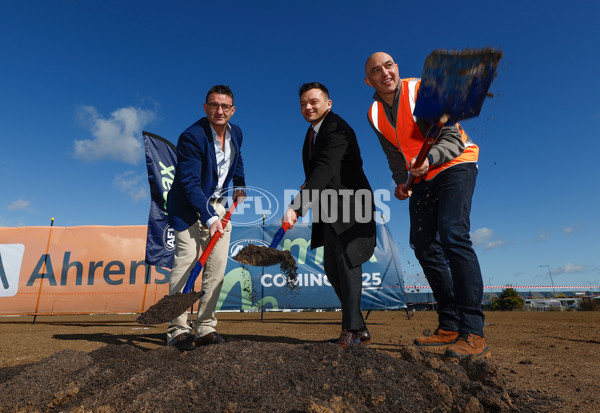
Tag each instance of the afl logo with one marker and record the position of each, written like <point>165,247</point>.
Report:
<point>237,246</point>
<point>259,206</point>
<point>168,238</point>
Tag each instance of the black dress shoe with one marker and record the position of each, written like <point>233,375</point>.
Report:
<point>348,339</point>
<point>210,338</point>
<point>364,336</point>
<point>183,342</point>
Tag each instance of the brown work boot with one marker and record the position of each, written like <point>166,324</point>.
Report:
<point>467,345</point>
<point>439,339</point>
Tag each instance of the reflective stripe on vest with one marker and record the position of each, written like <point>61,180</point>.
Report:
<point>407,136</point>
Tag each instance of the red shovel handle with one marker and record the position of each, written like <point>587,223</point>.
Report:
<point>189,285</point>
<point>216,236</point>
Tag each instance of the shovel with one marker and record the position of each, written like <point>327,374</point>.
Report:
<point>453,87</point>
<point>171,306</point>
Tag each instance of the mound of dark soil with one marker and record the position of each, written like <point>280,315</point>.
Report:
<point>248,376</point>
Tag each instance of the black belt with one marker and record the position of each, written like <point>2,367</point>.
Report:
<point>217,200</point>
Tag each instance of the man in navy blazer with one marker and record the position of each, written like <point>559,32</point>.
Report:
<point>209,158</point>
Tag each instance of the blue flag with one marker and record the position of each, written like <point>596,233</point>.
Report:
<point>161,159</point>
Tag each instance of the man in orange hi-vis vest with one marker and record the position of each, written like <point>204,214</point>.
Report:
<point>439,207</point>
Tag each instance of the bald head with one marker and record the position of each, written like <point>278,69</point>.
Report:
<point>382,74</point>
<point>377,56</point>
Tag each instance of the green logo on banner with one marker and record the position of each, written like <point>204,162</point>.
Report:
<point>242,277</point>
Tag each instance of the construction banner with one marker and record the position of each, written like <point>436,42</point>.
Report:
<point>101,269</point>
<point>75,270</point>
<point>267,287</point>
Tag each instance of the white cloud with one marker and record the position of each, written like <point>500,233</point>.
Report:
<point>568,230</point>
<point>543,236</point>
<point>135,186</point>
<point>495,244</point>
<point>570,268</point>
<point>117,138</point>
<point>481,236</point>
<point>19,205</point>
<point>484,237</point>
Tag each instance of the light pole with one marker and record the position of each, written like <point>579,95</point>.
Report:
<point>551,280</point>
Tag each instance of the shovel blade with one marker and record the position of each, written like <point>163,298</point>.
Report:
<point>169,307</point>
<point>456,83</point>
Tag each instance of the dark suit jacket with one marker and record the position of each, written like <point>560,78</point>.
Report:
<point>196,176</point>
<point>336,164</point>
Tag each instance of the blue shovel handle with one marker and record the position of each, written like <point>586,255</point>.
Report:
<point>279,234</point>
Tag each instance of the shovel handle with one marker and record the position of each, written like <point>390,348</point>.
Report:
<point>433,134</point>
<point>189,285</point>
<point>279,234</point>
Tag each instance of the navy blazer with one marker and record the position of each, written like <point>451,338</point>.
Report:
<point>196,176</point>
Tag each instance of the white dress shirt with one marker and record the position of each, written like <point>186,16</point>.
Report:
<point>225,157</point>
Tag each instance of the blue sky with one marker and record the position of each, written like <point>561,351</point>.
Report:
<point>80,80</point>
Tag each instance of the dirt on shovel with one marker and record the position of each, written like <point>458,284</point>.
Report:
<point>261,256</point>
<point>169,307</point>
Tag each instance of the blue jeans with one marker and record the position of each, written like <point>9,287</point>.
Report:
<point>439,230</point>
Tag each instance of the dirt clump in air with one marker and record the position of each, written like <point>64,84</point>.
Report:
<point>257,255</point>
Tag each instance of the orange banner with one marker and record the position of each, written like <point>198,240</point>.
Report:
<point>77,270</point>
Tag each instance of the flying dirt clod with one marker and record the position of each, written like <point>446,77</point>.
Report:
<point>257,255</point>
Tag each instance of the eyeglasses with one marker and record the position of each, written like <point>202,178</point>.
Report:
<point>214,106</point>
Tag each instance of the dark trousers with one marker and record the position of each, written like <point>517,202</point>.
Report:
<point>345,279</point>
<point>439,230</point>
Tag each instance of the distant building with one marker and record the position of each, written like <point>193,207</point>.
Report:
<point>536,298</point>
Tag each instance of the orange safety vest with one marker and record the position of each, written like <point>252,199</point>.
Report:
<point>407,136</point>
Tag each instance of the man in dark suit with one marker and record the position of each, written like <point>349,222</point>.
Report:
<point>209,158</point>
<point>342,201</point>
